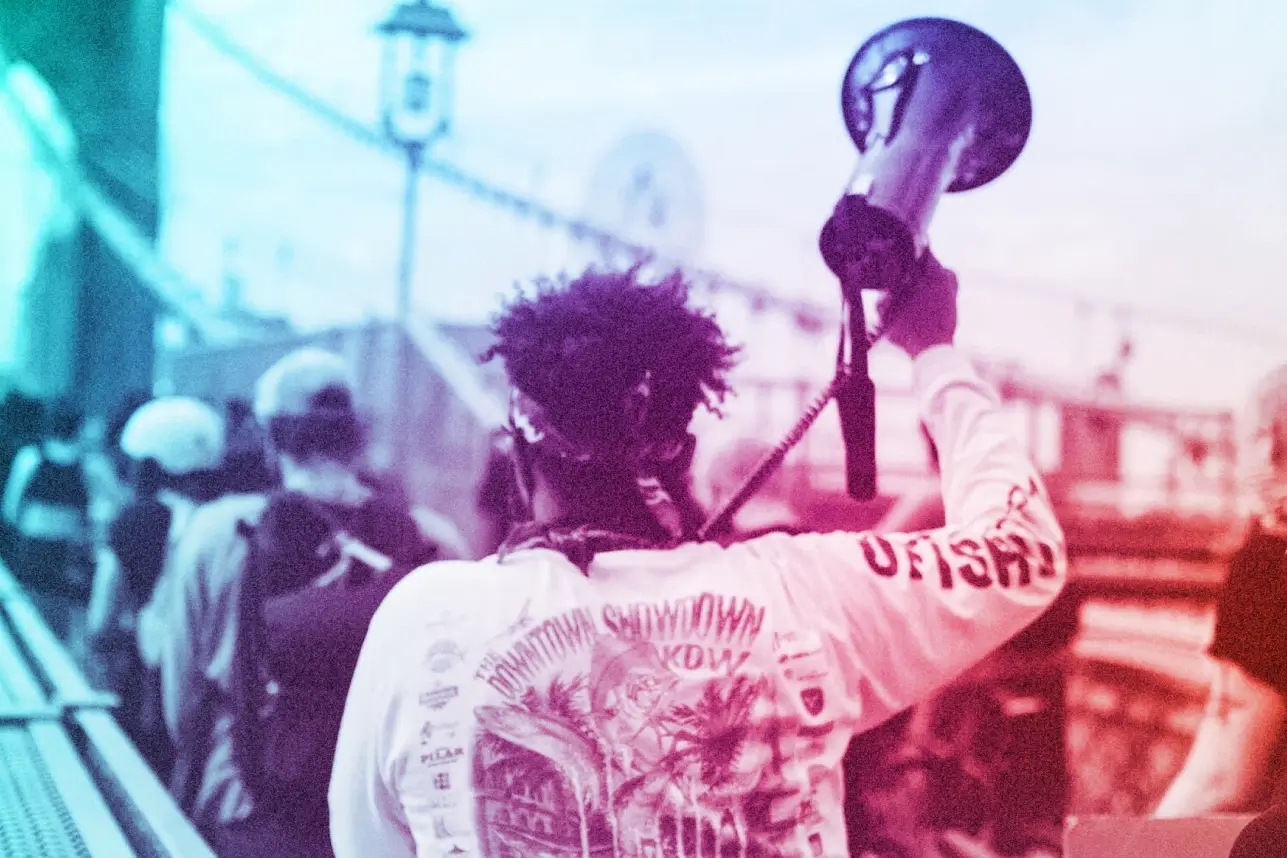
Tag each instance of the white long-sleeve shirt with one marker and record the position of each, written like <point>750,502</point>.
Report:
<point>519,707</point>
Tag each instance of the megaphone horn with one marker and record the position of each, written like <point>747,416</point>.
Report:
<point>934,106</point>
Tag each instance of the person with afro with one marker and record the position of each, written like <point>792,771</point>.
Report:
<point>607,684</point>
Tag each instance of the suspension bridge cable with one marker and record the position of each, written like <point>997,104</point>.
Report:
<point>807,316</point>
<point>137,252</point>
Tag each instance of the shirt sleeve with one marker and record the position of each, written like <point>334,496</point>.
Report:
<point>367,817</point>
<point>907,612</point>
<point>192,616</point>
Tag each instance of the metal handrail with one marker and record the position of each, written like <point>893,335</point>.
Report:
<point>142,805</point>
<point>114,778</point>
<point>89,813</point>
<point>67,687</point>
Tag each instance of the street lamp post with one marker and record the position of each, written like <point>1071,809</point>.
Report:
<point>420,41</point>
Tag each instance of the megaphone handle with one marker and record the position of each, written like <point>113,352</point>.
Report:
<point>856,403</point>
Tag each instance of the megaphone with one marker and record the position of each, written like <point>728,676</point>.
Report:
<point>934,106</point>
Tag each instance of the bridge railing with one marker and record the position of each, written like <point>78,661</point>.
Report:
<point>1103,457</point>
<point>71,782</point>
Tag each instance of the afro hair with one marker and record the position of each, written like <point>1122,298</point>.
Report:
<point>580,347</point>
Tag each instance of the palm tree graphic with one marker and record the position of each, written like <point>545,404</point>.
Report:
<point>711,767</point>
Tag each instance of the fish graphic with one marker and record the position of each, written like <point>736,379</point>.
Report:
<point>524,619</point>
<point>572,753</point>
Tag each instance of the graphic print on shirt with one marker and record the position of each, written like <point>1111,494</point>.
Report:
<point>629,731</point>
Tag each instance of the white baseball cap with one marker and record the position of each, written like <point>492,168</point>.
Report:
<point>181,433</point>
<point>289,386</point>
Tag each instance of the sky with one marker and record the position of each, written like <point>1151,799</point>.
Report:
<point>1153,177</point>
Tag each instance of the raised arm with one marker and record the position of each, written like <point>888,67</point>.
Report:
<point>907,612</point>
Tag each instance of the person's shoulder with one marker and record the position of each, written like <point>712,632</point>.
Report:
<point>469,586</point>
<point>207,555</point>
<point>782,553</point>
<point>456,578</point>
<point>728,560</point>
<point>770,544</point>
<point>460,587</point>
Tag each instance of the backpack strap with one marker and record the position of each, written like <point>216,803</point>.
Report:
<point>352,549</point>
<point>246,688</point>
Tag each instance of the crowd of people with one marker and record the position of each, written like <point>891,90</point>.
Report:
<point>316,668</point>
<point>132,536</point>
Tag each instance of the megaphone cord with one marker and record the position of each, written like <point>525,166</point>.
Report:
<point>772,460</point>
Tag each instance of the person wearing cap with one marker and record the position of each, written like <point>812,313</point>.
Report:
<point>173,448</point>
<point>305,404</point>
<point>606,684</point>
<point>1231,764</point>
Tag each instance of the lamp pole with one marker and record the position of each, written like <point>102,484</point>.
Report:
<point>420,41</point>
<point>401,449</point>
<point>410,202</point>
